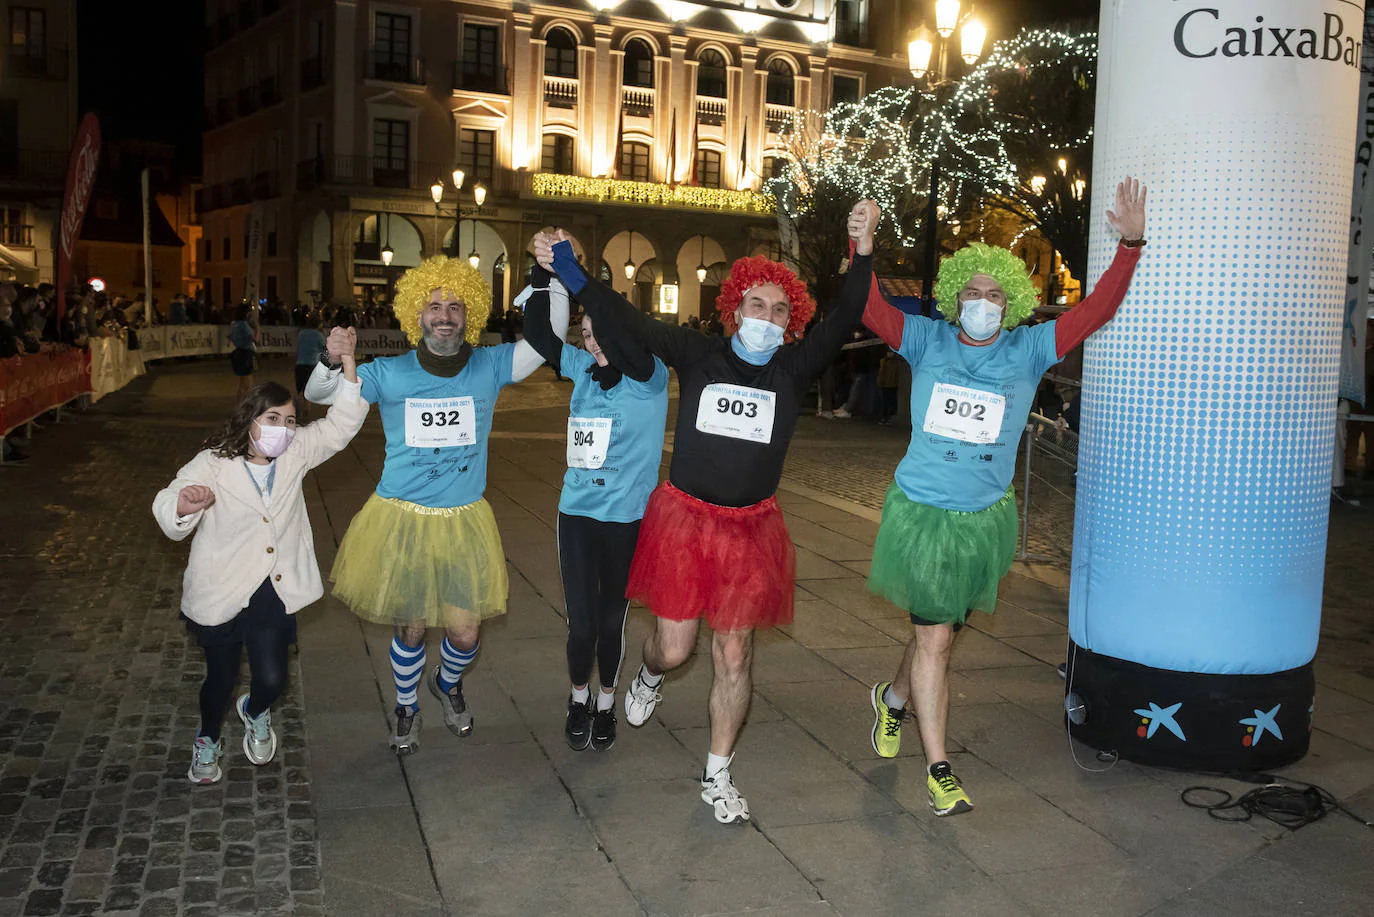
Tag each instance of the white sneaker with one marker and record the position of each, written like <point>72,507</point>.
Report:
<point>720,794</point>
<point>842,414</point>
<point>259,738</point>
<point>205,755</point>
<point>641,700</point>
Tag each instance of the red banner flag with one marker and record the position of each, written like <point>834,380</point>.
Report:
<point>33,384</point>
<point>81,169</point>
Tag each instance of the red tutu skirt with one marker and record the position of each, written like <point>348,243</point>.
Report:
<point>735,566</point>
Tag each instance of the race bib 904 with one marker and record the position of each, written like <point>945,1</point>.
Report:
<point>588,440</point>
<point>441,423</point>
<point>737,412</point>
<point>966,414</point>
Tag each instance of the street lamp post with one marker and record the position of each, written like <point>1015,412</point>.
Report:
<point>949,18</point>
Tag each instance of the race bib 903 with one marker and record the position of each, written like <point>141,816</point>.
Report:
<point>737,412</point>
<point>441,423</point>
<point>588,440</point>
<point>966,414</point>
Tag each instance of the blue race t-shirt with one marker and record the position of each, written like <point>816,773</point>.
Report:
<point>615,441</point>
<point>309,346</point>
<point>436,428</point>
<point>969,406</point>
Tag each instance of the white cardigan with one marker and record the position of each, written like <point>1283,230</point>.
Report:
<point>243,540</point>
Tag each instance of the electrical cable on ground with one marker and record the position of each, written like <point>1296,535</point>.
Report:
<point>1289,803</point>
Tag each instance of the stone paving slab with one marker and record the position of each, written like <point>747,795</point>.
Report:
<point>96,817</point>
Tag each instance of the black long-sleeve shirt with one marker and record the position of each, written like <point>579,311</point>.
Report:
<point>624,356</point>
<point>735,420</point>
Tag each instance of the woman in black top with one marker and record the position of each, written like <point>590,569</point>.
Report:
<point>713,542</point>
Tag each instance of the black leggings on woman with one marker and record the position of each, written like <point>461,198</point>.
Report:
<point>595,559</point>
<point>267,663</point>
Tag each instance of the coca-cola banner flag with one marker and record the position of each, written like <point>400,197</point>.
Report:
<point>81,168</point>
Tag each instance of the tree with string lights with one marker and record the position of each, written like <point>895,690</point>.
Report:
<point>1014,134</point>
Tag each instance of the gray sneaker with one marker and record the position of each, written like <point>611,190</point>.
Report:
<point>259,738</point>
<point>456,716</point>
<point>205,755</point>
<point>406,739</point>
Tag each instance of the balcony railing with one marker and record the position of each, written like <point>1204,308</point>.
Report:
<point>643,193</point>
<point>238,191</point>
<point>265,186</point>
<point>312,73</point>
<point>16,234</point>
<point>38,166</point>
<point>44,62</point>
<point>394,68</point>
<point>777,116</point>
<point>269,91</point>
<point>560,91</point>
<point>638,100</point>
<point>376,172</point>
<point>248,100</point>
<point>466,79</point>
<point>711,111</point>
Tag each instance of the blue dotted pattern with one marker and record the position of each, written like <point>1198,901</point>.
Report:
<point>1209,403</point>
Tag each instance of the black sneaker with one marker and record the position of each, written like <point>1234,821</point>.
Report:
<point>603,729</point>
<point>406,739</point>
<point>579,727</point>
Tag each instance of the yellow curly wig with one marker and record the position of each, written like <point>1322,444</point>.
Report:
<point>999,264</point>
<point>455,277</point>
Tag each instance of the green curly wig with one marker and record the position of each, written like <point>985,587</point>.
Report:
<point>455,277</point>
<point>999,264</point>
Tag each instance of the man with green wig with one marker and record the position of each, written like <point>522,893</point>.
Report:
<point>948,532</point>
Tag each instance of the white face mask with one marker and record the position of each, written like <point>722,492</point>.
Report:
<point>273,441</point>
<point>980,319</point>
<point>758,335</point>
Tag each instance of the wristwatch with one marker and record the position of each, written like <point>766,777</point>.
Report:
<point>324,361</point>
<point>1133,243</point>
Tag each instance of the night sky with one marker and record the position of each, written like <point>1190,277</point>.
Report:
<point>140,66</point>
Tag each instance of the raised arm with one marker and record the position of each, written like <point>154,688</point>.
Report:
<point>614,319</point>
<point>538,323</point>
<point>525,358</point>
<point>1099,306</point>
<point>321,440</point>
<point>821,346</point>
<point>880,316</point>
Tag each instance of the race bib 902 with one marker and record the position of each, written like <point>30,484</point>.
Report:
<point>966,414</point>
<point>441,423</point>
<point>737,412</point>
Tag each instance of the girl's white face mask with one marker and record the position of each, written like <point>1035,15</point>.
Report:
<point>271,441</point>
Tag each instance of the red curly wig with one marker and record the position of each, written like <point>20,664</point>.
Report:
<point>747,273</point>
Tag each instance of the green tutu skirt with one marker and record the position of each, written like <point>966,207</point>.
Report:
<point>938,564</point>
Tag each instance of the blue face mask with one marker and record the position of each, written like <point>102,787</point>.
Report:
<point>758,335</point>
<point>980,319</point>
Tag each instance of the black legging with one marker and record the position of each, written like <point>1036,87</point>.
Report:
<point>595,559</point>
<point>267,652</point>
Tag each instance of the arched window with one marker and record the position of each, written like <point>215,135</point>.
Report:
<point>634,161</point>
<point>560,54</point>
<point>639,64</point>
<point>711,74</point>
<point>708,168</point>
<point>780,83</point>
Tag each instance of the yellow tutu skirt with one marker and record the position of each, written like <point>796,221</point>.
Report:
<point>402,563</point>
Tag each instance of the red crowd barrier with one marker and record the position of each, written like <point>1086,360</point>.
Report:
<point>32,385</point>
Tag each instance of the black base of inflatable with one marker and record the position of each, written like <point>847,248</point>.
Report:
<point>1186,720</point>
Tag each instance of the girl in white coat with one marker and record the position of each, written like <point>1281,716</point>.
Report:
<point>252,564</point>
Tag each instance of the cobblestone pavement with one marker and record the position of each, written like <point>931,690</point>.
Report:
<point>98,697</point>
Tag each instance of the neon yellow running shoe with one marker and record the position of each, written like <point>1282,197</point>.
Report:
<point>887,723</point>
<point>947,796</point>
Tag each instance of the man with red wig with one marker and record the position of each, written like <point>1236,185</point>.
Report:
<point>713,543</point>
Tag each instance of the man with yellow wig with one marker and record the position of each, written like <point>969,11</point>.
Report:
<point>948,533</point>
<point>424,550</point>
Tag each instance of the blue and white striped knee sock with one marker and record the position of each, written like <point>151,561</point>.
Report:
<point>407,666</point>
<point>454,662</point>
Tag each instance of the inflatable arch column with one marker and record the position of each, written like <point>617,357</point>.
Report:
<point>1209,404</point>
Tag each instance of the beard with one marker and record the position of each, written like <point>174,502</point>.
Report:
<point>443,347</point>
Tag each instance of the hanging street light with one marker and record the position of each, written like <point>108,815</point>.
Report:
<point>701,262</point>
<point>387,255</point>
<point>474,259</point>
<point>436,191</point>
<point>630,261</point>
<point>479,193</point>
